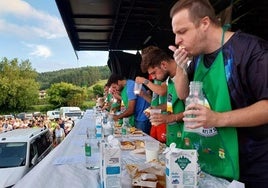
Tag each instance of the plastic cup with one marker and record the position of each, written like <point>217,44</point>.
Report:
<point>137,88</point>
<point>91,132</point>
<point>155,111</point>
<point>152,113</point>
<point>151,150</point>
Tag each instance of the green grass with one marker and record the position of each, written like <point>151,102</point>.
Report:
<point>101,82</point>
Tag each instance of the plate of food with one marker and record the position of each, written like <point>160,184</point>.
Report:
<point>132,145</point>
<point>135,132</point>
<point>127,145</point>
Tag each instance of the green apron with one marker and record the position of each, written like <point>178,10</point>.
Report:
<point>217,147</point>
<point>109,97</point>
<point>108,100</point>
<point>174,106</point>
<point>125,101</point>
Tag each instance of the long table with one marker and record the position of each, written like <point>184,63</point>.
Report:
<point>65,165</point>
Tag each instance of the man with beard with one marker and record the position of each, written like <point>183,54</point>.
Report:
<point>161,66</point>
<point>134,104</point>
<point>233,67</point>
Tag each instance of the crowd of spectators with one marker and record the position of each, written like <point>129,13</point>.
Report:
<point>42,121</point>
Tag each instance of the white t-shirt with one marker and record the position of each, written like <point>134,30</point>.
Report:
<point>59,132</point>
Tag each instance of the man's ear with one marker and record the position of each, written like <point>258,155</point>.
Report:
<point>163,65</point>
<point>204,23</point>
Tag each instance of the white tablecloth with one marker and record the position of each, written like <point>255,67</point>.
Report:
<point>64,166</point>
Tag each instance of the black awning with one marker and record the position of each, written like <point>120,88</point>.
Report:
<point>134,24</point>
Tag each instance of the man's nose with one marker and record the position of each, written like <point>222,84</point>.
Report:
<point>178,40</point>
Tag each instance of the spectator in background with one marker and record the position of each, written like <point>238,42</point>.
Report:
<point>59,135</point>
<point>68,126</point>
<point>61,123</point>
<point>7,126</point>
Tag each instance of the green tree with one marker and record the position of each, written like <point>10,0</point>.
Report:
<point>98,90</point>
<point>66,94</point>
<point>83,77</point>
<point>19,90</point>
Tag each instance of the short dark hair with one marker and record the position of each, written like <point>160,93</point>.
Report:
<point>114,78</point>
<point>198,9</point>
<point>152,56</point>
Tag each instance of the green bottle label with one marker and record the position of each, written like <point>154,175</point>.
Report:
<point>88,150</point>
<point>124,130</point>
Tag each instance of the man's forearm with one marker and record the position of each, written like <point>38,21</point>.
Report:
<point>158,89</point>
<point>251,116</point>
<point>174,118</point>
<point>181,83</point>
<point>126,113</point>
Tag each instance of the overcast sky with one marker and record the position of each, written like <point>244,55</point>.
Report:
<point>33,29</point>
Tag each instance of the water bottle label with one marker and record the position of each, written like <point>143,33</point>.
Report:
<point>88,150</point>
<point>124,131</point>
<point>98,131</point>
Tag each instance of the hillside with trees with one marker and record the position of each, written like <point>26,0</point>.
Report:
<point>82,77</point>
<point>20,86</point>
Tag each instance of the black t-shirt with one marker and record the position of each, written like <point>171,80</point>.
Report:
<point>246,64</point>
<point>246,69</point>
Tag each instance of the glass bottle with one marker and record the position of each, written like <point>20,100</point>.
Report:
<point>99,127</point>
<point>88,152</point>
<point>111,124</point>
<point>125,126</point>
<point>195,96</point>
